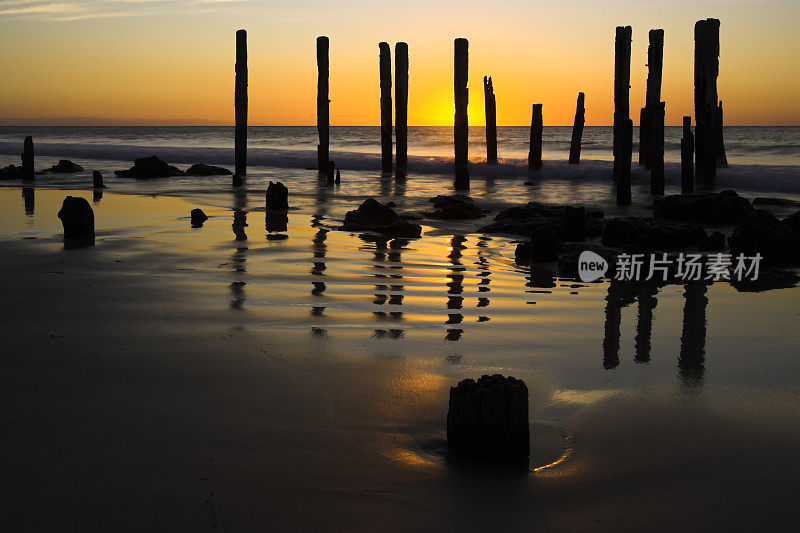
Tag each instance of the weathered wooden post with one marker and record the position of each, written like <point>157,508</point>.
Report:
<point>385,63</point>
<point>490,105</point>
<point>687,157</point>
<point>709,146</point>
<point>240,108</point>
<point>461,123</point>
<point>655,153</point>
<point>623,126</point>
<point>27,159</point>
<point>535,149</point>
<point>401,109</point>
<point>323,106</point>
<point>655,62</point>
<point>577,131</point>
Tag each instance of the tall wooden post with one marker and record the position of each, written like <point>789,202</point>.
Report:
<point>655,62</point>
<point>535,150</point>
<point>240,107</point>
<point>461,123</point>
<point>623,126</point>
<point>709,146</point>
<point>577,131</point>
<point>385,61</point>
<point>27,159</point>
<point>490,105</point>
<point>401,108</point>
<point>323,106</point>
<point>687,157</point>
<point>655,153</point>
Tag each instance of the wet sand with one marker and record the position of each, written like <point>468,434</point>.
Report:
<point>175,379</point>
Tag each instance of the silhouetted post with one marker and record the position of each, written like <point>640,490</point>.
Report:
<point>577,131</point>
<point>97,180</point>
<point>535,149</point>
<point>461,95</point>
<point>240,107</point>
<point>385,61</point>
<point>655,153</point>
<point>27,159</point>
<point>655,62</point>
<point>623,126</point>
<point>323,105</point>
<point>709,147</point>
<point>490,106</point>
<point>687,157</point>
<point>401,108</point>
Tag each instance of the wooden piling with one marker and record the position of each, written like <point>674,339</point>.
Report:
<point>687,157</point>
<point>385,64</point>
<point>709,146</point>
<point>490,105</point>
<point>577,131</point>
<point>461,122</point>
<point>401,109</point>
<point>323,105</point>
<point>240,106</point>
<point>535,149</point>
<point>27,159</point>
<point>655,62</point>
<point>655,121</point>
<point>623,126</point>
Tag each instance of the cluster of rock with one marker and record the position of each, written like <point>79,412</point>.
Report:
<point>153,167</point>
<point>535,216</point>
<point>455,207</point>
<point>64,166</point>
<point>373,216</point>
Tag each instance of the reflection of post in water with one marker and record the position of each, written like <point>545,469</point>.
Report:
<point>644,324</point>
<point>239,258</point>
<point>484,274</point>
<point>28,198</point>
<point>318,265</point>
<point>455,285</point>
<point>691,362</point>
<point>276,223</point>
<point>389,285</point>
<point>620,294</point>
<point>97,195</point>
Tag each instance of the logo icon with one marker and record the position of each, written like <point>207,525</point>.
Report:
<point>591,266</point>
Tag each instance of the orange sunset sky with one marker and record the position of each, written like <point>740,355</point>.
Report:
<point>171,61</point>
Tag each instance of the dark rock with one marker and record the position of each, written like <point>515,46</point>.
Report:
<point>77,218</point>
<point>792,223</point>
<point>487,420</point>
<point>149,167</point>
<point>374,216</point>
<point>524,220</point>
<point>574,223</point>
<point>712,243</point>
<point>725,207</point>
<point>783,202</point>
<point>391,204</point>
<point>11,172</point>
<point>760,232</point>
<point>456,207</point>
<point>198,218</point>
<point>64,166</point>
<point>200,169</point>
<point>277,197</point>
<point>642,234</point>
<point>544,247</point>
<point>97,180</point>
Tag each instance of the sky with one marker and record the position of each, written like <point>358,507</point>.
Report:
<point>171,61</point>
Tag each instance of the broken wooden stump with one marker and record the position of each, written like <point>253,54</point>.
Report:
<point>240,105</point>
<point>77,217</point>
<point>27,159</point>
<point>198,217</point>
<point>385,69</point>
<point>277,197</point>
<point>401,109</point>
<point>487,420</point>
<point>687,157</point>
<point>535,148</point>
<point>461,122</point>
<point>709,146</point>
<point>490,106</point>
<point>577,131</point>
<point>323,105</point>
<point>623,126</point>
